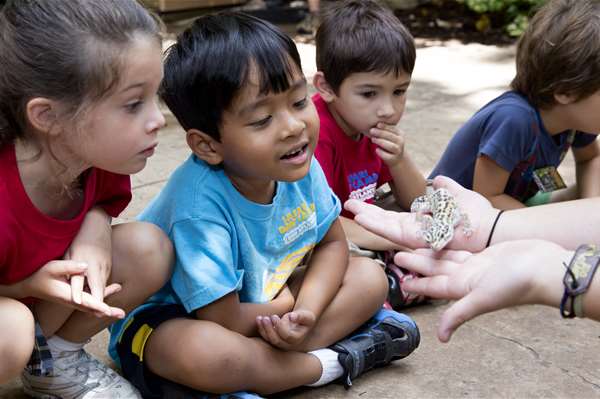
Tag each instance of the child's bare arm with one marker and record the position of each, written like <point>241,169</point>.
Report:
<point>409,183</point>
<point>490,179</point>
<point>322,281</point>
<point>325,272</point>
<point>240,317</point>
<point>587,164</point>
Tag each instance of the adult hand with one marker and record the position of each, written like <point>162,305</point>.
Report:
<point>287,332</point>
<point>403,227</point>
<point>504,275</point>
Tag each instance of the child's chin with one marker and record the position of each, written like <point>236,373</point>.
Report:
<point>296,175</point>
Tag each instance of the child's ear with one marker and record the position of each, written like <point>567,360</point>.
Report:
<point>204,146</point>
<point>41,114</point>
<point>323,87</point>
<point>564,99</point>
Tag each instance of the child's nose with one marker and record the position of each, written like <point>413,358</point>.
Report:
<point>156,120</point>
<point>294,125</point>
<point>386,109</point>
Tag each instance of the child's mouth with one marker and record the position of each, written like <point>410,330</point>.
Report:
<point>296,156</point>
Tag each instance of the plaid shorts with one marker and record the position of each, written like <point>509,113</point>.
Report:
<point>40,362</point>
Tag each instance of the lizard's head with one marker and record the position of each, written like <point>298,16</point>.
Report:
<point>439,235</point>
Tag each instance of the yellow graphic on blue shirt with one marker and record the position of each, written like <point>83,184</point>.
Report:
<point>276,280</point>
<point>297,221</point>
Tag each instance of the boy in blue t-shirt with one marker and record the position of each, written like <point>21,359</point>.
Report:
<point>510,149</point>
<point>263,292</point>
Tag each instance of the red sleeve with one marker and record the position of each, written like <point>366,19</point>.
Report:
<point>113,192</point>
<point>325,155</point>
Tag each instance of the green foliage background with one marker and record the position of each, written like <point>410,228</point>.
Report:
<point>515,13</point>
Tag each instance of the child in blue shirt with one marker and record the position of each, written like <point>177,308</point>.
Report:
<point>510,149</point>
<point>262,283</point>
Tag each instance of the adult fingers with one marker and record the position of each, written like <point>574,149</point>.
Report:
<point>423,264</point>
<point>459,313</point>
<point>454,255</point>
<point>434,287</point>
<point>398,227</point>
<point>445,182</point>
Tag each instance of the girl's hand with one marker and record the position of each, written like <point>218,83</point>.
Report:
<point>93,246</point>
<point>403,229</point>
<point>52,283</point>
<point>504,275</point>
<point>287,332</point>
<point>390,142</point>
<point>99,263</point>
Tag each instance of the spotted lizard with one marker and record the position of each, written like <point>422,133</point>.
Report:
<point>438,214</point>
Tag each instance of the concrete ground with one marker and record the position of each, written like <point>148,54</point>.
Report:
<point>527,352</point>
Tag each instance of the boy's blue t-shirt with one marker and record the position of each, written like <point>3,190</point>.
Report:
<point>225,242</point>
<point>508,130</point>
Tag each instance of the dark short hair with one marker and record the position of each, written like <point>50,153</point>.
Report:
<point>362,36</point>
<point>559,53</point>
<point>71,51</point>
<point>211,61</point>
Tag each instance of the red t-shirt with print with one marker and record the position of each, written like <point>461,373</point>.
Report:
<point>353,168</point>
<point>28,238</point>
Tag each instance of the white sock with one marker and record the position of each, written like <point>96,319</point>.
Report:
<point>57,345</point>
<point>332,369</point>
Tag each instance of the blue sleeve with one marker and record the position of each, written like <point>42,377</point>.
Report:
<point>204,267</point>
<point>326,202</point>
<point>508,136</point>
<point>583,139</point>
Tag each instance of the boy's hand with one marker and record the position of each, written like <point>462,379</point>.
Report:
<point>390,142</point>
<point>52,283</point>
<point>287,332</point>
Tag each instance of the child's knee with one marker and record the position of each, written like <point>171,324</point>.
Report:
<point>369,276</point>
<point>16,343</point>
<point>147,252</point>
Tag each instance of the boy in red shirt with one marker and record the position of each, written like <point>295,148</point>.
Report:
<point>365,58</point>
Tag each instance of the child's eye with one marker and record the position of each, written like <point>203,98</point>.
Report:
<point>368,94</point>
<point>133,106</point>
<point>261,123</point>
<point>300,104</point>
<point>399,92</point>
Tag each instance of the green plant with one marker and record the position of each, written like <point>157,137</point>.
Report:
<point>514,13</point>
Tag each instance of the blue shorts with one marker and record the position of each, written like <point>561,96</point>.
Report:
<point>130,348</point>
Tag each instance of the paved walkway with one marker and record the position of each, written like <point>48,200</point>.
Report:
<point>525,352</point>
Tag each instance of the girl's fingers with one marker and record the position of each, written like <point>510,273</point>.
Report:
<point>96,283</point>
<point>112,289</point>
<point>61,268</point>
<point>77,282</point>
